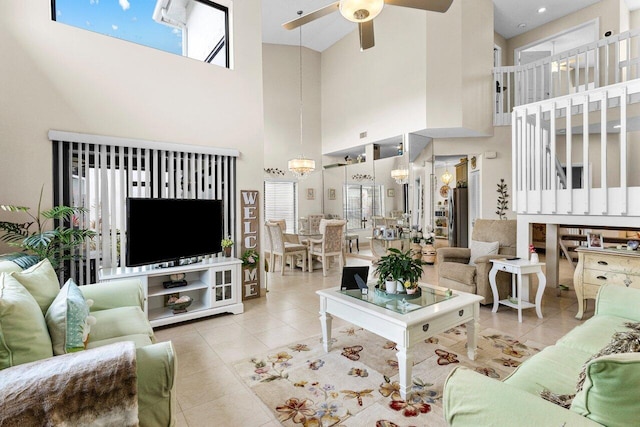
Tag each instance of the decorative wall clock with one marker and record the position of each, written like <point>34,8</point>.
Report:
<point>444,191</point>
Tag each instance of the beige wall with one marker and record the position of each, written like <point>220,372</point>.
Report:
<point>60,77</point>
<point>607,11</point>
<point>281,76</point>
<point>379,91</point>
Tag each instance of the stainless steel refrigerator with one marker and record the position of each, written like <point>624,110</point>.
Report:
<point>458,218</point>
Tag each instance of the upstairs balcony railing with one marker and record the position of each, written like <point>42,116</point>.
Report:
<point>605,62</point>
<point>577,155</point>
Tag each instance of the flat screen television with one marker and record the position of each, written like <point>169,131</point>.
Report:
<point>162,230</point>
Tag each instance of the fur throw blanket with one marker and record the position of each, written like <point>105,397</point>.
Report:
<point>95,387</point>
<point>621,342</point>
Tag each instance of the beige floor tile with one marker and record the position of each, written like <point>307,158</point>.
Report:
<point>208,388</point>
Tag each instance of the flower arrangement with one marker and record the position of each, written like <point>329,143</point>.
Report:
<point>227,242</point>
<point>250,257</point>
<point>410,285</point>
<point>532,249</point>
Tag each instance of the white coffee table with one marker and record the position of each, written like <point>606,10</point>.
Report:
<point>518,268</point>
<point>425,317</point>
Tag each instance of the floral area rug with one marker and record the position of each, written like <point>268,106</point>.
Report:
<point>356,383</point>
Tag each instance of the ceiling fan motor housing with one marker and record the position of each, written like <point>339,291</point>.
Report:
<point>361,10</point>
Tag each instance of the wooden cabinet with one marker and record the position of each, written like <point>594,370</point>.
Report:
<point>214,286</point>
<point>599,266</point>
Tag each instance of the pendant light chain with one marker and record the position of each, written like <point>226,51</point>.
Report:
<point>301,167</point>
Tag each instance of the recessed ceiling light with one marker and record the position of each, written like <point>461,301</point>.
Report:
<point>522,25</point>
<point>542,10</point>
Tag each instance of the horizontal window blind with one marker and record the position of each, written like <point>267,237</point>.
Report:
<point>100,177</point>
<point>280,202</point>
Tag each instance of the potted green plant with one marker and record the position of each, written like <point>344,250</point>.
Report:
<point>37,240</point>
<point>227,244</point>
<point>398,267</point>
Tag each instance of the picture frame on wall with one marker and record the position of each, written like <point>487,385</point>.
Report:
<point>311,194</point>
<point>594,240</point>
<point>391,192</point>
<point>332,194</point>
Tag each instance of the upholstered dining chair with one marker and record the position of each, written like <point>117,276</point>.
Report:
<point>331,245</point>
<point>283,249</point>
<point>467,269</point>
<point>314,223</point>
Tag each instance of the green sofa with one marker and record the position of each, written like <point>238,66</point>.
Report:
<point>25,319</point>
<point>608,397</point>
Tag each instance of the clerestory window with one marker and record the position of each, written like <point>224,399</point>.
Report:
<point>197,29</point>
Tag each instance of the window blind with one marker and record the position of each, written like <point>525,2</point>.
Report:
<point>99,173</point>
<point>280,202</point>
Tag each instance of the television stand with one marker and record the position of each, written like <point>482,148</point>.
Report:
<point>215,286</point>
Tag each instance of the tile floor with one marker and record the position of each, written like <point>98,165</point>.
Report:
<point>209,391</point>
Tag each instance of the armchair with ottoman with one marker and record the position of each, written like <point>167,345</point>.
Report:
<point>467,269</point>
<point>80,355</point>
<point>589,377</point>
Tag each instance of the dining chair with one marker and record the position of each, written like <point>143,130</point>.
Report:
<point>283,249</point>
<point>331,245</point>
<point>314,223</point>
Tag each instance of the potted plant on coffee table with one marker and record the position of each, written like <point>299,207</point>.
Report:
<point>399,267</point>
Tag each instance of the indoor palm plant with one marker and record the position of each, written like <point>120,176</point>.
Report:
<point>37,240</point>
<point>398,266</point>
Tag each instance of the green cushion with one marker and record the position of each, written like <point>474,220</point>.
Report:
<point>595,334</point>
<point>8,267</point>
<point>120,321</point>
<point>23,332</point>
<point>66,318</point>
<point>610,392</point>
<point>41,281</point>
<point>139,340</point>
<point>555,368</point>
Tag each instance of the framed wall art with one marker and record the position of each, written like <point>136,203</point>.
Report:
<point>311,194</point>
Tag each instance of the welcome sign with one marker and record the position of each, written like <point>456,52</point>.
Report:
<point>250,239</point>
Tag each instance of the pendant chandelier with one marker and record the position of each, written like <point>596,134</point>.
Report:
<point>301,167</point>
<point>400,175</point>
<point>446,177</point>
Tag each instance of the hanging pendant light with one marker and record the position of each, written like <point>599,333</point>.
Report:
<point>301,167</point>
<point>400,175</point>
<point>446,177</point>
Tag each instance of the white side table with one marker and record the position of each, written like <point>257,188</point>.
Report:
<point>517,268</point>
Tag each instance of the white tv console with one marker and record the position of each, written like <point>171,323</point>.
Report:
<point>214,284</point>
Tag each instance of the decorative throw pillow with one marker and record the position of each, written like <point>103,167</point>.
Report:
<point>479,249</point>
<point>609,393</point>
<point>67,319</point>
<point>41,281</point>
<point>23,332</point>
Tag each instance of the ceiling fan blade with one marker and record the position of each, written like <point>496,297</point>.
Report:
<point>365,29</point>
<point>430,5</point>
<point>311,16</point>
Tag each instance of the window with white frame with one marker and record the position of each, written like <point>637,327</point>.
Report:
<point>280,202</point>
<point>361,202</point>
<point>197,29</point>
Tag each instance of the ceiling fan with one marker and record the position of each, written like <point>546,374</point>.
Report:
<point>362,12</point>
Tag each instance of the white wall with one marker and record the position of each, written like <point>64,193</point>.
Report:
<point>281,76</point>
<point>60,77</point>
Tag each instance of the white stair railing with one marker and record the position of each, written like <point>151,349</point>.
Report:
<point>607,61</point>
<point>584,134</point>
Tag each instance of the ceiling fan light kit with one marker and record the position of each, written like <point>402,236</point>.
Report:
<point>361,10</point>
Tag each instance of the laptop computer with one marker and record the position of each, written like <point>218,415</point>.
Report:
<point>354,277</point>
